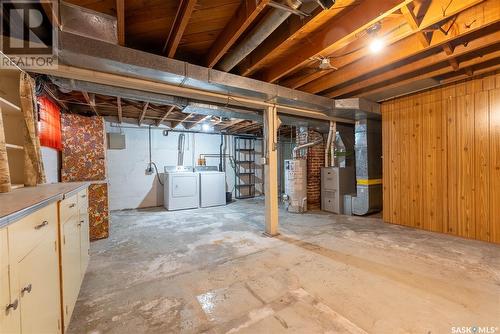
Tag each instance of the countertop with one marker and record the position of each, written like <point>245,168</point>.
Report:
<point>21,202</point>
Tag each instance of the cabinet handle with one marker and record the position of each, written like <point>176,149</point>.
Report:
<point>39,226</point>
<point>80,223</point>
<point>12,306</point>
<point>72,205</point>
<point>83,196</point>
<point>27,289</point>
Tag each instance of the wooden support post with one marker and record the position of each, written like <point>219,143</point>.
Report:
<point>271,171</point>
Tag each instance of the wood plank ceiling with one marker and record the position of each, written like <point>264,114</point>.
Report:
<point>425,41</point>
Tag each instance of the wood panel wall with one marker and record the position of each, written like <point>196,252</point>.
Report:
<point>441,159</point>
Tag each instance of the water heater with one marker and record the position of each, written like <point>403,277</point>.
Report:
<point>296,185</point>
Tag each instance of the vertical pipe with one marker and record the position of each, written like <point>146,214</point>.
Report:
<point>328,144</point>
<point>220,152</point>
<point>332,146</point>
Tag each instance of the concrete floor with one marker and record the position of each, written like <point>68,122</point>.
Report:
<point>212,271</point>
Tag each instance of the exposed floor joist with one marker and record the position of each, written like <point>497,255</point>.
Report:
<point>245,16</point>
<point>335,35</point>
<point>185,9</point>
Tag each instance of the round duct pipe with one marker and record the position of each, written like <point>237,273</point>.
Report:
<point>269,23</point>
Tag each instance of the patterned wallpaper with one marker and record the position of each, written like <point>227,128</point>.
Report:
<point>98,211</point>
<point>84,159</point>
<point>84,150</point>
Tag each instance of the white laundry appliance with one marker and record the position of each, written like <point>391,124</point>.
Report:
<point>181,189</point>
<point>212,186</point>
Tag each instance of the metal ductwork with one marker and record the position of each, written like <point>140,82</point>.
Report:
<point>269,23</point>
<point>368,152</point>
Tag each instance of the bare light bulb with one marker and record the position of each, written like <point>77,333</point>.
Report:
<point>205,127</point>
<point>376,45</point>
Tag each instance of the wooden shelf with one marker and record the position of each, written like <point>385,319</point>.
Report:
<point>9,107</point>
<point>14,147</point>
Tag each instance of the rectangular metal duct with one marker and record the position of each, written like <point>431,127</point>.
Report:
<point>85,22</point>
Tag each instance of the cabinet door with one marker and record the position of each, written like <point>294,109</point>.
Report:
<point>70,263</point>
<point>39,289</point>
<point>10,322</point>
<point>84,243</point>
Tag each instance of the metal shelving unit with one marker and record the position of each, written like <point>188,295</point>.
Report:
<point>244,159</point>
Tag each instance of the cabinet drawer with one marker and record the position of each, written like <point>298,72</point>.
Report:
<point>4,255</point>
<point>68,207</point>
<point>83,201</point>
<point>26,233</point>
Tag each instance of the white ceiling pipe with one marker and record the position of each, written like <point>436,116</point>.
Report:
<point>259,33</point>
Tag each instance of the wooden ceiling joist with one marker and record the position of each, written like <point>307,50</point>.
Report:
<point>488,60</point>
<point>167,113</point>
<point>483,16</point>
<point>338,33</point>
<point>120,21</point>
<point>415,26</point>
<point>120,110</point>
<point>143,112</point>
<point>182,120</point>
<point>198,121</point>
<point>184,11</point>
<point>245,16</point>
<point>472,47</point>
<point>90,99</point>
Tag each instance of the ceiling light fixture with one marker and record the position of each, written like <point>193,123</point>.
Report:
<point>376,45</point>
<point>205,127</point>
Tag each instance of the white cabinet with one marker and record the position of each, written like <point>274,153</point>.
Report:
<point>43,258</point>
<point>39,289</point>
<point>30,281</point>
<point>74,249</point>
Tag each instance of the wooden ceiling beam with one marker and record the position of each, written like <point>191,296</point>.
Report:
<point>183,120</point>
<point>120,21</point>
<point>143,113</point>
<point>483,15</point>
<point>414,24</point>
<point>180,23</point>
<point>202,119</point>
<point>167,113</point>
<point>336,34</point>
<point>467,67</point>
<point>472,47</point>
<point>90,99</point>
<point>230,123</point>
<point>120,110</point>
<point>244,17</point>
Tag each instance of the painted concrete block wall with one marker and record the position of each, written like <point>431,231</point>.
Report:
<point>50,158</point>
<point>130,187</point>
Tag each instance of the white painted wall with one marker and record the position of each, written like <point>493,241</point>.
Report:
<point>50,158</point>
<point>130,187</point>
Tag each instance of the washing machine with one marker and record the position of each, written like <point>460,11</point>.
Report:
<point>181,189</point>
<point>212,186</point>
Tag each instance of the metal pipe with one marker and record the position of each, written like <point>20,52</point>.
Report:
<point>269,23</point>
<point>328,144</point>
<point>220,152</point>
<point>333,144</point>
<point>297,148</point>
<point>180,149</point>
